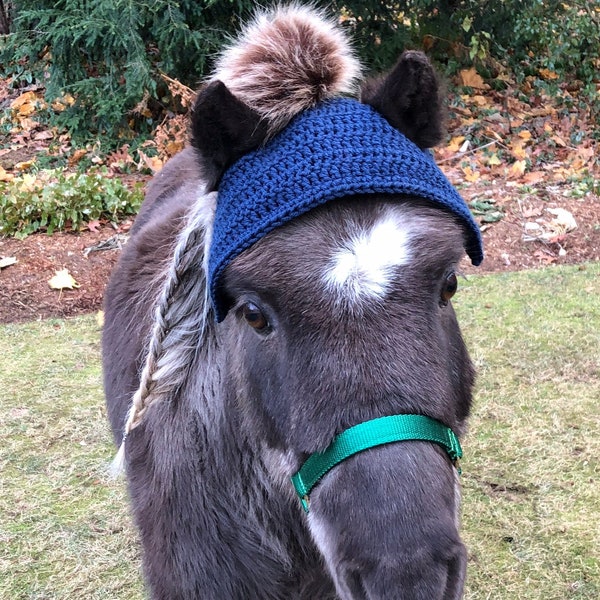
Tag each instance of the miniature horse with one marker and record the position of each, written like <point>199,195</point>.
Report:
<point>228,369</point>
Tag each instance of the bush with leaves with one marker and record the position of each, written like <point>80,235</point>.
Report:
<point>54,200</point>
<point>109,54</point>
<point>560,37</point>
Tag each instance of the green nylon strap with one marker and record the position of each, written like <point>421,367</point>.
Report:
<point>385,430</point>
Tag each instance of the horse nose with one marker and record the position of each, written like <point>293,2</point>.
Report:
<point>415,580</point>
<point>385,521</point>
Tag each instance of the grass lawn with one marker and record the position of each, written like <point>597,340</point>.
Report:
<point>64,527</point>
<point>531,472</point>
<point>531,483</point>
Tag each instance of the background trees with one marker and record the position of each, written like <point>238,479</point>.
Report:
<point>110,55</point>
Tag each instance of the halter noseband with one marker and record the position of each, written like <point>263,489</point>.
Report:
<point>384,430</point>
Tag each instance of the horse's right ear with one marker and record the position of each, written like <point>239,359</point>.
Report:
<point>223,130</point>
<point>409,98</point>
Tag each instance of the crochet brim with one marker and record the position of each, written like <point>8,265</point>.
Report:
<point>338,149</point>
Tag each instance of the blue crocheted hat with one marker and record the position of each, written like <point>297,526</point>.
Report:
<point>340,148</point>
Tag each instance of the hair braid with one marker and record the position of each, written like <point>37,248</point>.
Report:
<point>169,347</point>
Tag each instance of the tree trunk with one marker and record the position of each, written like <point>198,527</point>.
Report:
<point>5,13</point>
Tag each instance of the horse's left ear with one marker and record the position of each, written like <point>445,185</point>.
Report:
<point>409,98</point>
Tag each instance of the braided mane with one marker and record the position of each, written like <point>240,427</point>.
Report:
<point>180,328</point>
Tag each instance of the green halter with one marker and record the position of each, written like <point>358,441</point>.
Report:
<point>385,430</point>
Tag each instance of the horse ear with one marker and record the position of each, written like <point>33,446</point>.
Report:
<point>409,98</point>
<point>223,130</point>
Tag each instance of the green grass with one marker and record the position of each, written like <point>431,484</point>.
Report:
<point>531,483</point>
<point>531,472</point>
<point>64,527</point>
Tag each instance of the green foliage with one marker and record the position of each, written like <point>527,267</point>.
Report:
<point>558,45</point>
<point>563,37</point>
<point>527,35</point>
<point>55,200</point>
<point>109,54</point>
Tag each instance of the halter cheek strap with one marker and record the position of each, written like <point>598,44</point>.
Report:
<point>384,430</point>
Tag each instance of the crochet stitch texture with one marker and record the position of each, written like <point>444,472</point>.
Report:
<point>339,148</point>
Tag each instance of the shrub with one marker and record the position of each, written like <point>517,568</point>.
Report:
<point>53,200</point>
<point>562,37</point>
<point>109,54</point>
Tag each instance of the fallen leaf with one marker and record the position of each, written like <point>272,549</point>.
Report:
<point>559,141</point>
<point>28,124</point>
<point>548,74</point>
<point>534,177</point>
<point>517,148</point>
<point>532,211</point>
<point>62,280</point>
<point>152,162</point>
<point>23,99</point>
<point>43,135</point>
<point>563,221</point>
<point>471,78</point>
<point>494,134</point>
<point>544,257</point>
<point>455,143</point>
<point>26,109</point>
<point>172,148</point>
<point>517,169</point>
<point>480,100</point>
<point>93,225</point>
<point>28,182</point>
<point>100,318</point>
<point>61,104</point>
<point>427,42</point>
<point>471,175</point>
<point>493,160</point>
<point>581,158</point>
<point>24,165</point>
<point>77,156</point>
<point>4,176</point>
<point>542,111</point>
<point>7,261</point>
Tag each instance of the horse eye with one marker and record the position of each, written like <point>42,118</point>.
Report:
<point>255,317</point>
<point>449,288</point>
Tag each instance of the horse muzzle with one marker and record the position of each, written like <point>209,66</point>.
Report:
<point>386,522</point>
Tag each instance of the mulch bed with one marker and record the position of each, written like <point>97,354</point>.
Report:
<point>25,294</point>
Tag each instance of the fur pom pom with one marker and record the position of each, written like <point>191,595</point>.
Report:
<point>286,61</point>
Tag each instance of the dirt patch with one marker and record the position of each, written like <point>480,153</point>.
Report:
<point>26,295</point>
<point>24,290</point>
<point>531,234</point>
